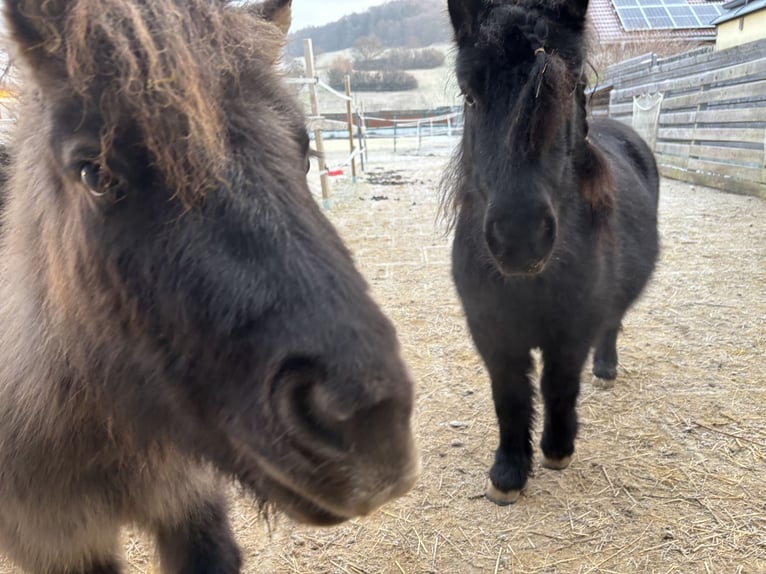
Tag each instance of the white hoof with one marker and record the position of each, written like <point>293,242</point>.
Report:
<point>499,497</point>
<point>603,384</point>
<point>556,463</point>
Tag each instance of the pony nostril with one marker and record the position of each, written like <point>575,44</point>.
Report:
<point>546,232</point>
<point>307,408</point>
<point>497,234</point>
<point>322,417</point>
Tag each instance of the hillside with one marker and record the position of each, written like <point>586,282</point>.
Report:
<point>400,23</point>
<point>436,88</point>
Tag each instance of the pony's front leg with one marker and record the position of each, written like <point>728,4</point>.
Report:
<point>560,387</point>
<point>202,544</point>
<point>512,395</point>
<point>105,567</point>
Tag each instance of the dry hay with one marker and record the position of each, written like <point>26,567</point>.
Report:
<point>669,470</point>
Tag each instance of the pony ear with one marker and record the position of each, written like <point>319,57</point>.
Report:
<point>576,10</point>
<point>35,27</point>
<point>278,12</point>
<point>464,15</point>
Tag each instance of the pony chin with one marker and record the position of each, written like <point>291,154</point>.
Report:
<point>531,271</point>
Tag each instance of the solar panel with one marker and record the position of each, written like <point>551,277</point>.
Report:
<point>684,17</point>
<point>656,11</point>
<point>706,13</point>
<point>665,14</point>
<point>679,11</point>
<point>633,19</point>
<point>660,23</point>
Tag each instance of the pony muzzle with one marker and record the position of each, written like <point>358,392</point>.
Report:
<point>354,449</point>
<point>522,243</point>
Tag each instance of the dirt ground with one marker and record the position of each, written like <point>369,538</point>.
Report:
<point>669,473</point>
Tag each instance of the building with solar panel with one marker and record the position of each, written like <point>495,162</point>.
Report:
<point>625,28</point>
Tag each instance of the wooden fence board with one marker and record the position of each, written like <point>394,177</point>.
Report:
<point>678,118</point>
<point>713,180</point>
<point>742,156</point>
<point>738,156</point>
<point>736,74</point>
<point>687,64</point>
<point>737,172</point>
<point>672,160</point>
<point>753,91</point>
<point>737,135</point>
<point>674,149</point>
<point>751,115</point>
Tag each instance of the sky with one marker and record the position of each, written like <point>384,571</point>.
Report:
<point>318,12</point>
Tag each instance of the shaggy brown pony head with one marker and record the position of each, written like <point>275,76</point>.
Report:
<point>180,274</point>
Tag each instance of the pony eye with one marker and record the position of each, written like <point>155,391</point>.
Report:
<point>100,185</point>
<point>89,176</point>
<point>470,101</point>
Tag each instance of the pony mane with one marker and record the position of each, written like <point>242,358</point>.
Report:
<point>161,67</point>
<point>543,103</point>
<point>597,185</point>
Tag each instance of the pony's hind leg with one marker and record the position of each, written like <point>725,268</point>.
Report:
<point>560,386</point>
<point>512,395</point>
<point>201,544</point>
<point>605,357</point>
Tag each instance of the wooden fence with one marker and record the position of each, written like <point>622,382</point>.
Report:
<point>711,128</point>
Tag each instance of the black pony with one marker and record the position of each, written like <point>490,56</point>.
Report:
<point>555,220</point>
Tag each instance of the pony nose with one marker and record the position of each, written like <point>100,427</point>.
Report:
<point>521,244</point>
<point>348,440</point>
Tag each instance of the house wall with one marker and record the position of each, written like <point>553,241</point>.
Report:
<point>753,28</point>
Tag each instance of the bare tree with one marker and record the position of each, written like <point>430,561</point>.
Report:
<point>367,48</point>
<point>339,69</point>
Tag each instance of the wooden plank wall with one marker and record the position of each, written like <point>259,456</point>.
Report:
<point>712,125</point>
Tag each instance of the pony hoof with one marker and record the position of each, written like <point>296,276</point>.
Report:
<point>603,384</point>
<point>556,463</point>
<point>499,497</point>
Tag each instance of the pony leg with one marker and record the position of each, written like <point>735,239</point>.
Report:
<point>512,395</point>
<point>560,386</point>
<point>605,356</point>
<point>202,544</point>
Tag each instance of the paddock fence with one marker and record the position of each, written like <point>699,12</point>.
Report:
<point>704,113</point>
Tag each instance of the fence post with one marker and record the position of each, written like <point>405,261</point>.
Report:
<point>364,135</point>
<point>350,119</point>
<point>359,138</point>
<point>394,133</point>
<point>308,52</point>
<point>420,139</point>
